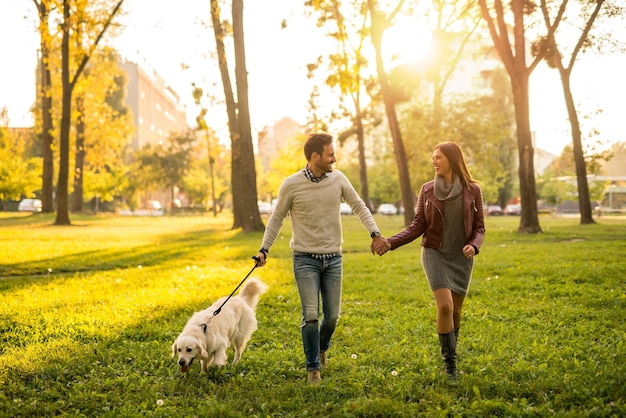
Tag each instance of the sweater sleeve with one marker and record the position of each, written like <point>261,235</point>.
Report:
<point>277,218</point>
<point>477,235</point>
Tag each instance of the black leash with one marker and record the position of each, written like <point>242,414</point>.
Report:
<point>231,295</point>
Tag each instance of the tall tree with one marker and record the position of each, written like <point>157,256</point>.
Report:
<point>588,12</point>
<point>45,86</point>
<point>68,84</point>
<point>514,60</point>
<point>166,165</point>
<point>346,66</point>
<point>243,172</point>
<point>103,123</point>
<point>379,23</point>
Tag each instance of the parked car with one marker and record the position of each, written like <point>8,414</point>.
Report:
<point>513,210</point>
<point>29,205</point>
<point>345,209</point>
<point>154,205</point>
<point>264,207</point>
<point>494,210</point>
<point>387,209</point>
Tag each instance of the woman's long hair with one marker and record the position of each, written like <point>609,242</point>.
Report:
<point>457,162</point>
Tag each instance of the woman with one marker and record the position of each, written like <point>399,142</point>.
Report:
<point>449,217</point>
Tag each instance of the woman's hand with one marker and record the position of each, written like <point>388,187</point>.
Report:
<point>469,251</point>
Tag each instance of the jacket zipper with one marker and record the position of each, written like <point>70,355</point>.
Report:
<point>442,220</point>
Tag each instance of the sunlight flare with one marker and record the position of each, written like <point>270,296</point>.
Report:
<point>407,41</point>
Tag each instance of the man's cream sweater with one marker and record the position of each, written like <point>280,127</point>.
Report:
<point>315,214</point>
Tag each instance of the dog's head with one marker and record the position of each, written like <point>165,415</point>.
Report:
<point>188,348</point>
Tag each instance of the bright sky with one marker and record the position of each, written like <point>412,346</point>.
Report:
<point>167,37</point>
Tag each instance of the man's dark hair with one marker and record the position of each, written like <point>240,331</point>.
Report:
<point>316,143</point>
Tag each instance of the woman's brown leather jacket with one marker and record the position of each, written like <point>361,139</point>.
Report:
<point>428,221</point>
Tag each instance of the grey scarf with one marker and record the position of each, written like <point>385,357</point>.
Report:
<point>445,191</point>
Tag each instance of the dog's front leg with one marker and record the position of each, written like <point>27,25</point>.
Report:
<point>206,362</point>
<point>220,356</point>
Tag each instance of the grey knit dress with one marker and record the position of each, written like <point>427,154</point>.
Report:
<point>447,267</point>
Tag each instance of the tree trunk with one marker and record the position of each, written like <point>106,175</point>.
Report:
<point>514,60</point>
<point>231,106</point>
<point>408,196</point>
<point>584,201</point>
<point>245,201</point>
<point>47,177</point>
<point>79,157</point>
<point>529,220</point>
<point>63,216</point>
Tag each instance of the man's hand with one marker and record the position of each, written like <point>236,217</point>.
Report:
<point>260,259</point>
<point>380,245</point>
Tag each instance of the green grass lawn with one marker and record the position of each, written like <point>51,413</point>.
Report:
<point>88,314</point>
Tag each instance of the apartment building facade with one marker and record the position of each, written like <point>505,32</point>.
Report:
<point>157,108</point>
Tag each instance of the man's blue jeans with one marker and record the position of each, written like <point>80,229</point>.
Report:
<point>316,277</point>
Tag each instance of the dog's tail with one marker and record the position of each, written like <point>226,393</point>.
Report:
<point>251,291</point>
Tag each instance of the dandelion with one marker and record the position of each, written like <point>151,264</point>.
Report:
<point>159,402</point>
<point>354,356</point>
<point>394,373</point>
<point>139,267</point>
<point>188,268</point>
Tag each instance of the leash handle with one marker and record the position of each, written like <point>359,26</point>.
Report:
<point>238,286</point>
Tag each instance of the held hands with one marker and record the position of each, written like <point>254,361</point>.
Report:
<point>380,245</point>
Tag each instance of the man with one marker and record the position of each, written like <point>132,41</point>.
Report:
<point>313,197</point>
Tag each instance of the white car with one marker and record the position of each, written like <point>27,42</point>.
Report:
<point>29,205</point>
<point>513,210</point>
<point>154,205</point>
<point>264,207</point>
<point>387,209</point>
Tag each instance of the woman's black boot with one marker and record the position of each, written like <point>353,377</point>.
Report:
<point>448,351</point>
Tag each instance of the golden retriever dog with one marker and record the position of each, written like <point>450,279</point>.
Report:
<point>207,336</point>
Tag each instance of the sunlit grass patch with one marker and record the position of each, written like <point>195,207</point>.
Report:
<point>89,313</point>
